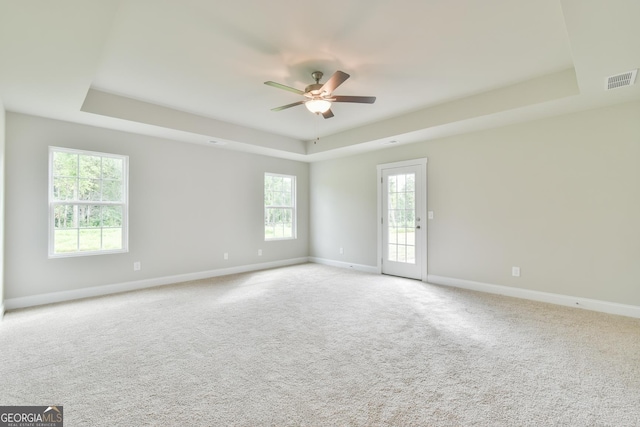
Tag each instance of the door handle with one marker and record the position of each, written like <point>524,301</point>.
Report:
<point>417,227</point>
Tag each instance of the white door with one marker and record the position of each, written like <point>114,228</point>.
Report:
<point>403,225</point>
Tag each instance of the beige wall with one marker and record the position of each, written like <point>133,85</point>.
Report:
<point>559,197</point>
<point>188,205</point>
<point>2,197</point>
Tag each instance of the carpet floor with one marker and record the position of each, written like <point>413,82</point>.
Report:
<point>312,345</point>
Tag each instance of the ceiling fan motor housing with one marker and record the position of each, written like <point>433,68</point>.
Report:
<point>313,90</point>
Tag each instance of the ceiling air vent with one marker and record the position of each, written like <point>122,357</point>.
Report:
<point>621,80</point>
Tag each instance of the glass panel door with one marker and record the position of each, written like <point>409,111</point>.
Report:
<point>401,222</point>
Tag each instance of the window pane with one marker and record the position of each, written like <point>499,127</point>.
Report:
<point>393,253</point>
<point>111,238</point>
<point>392,235</point>
<point>269,231</point>
<point>89,216</point>
<point>65,164</point>
<point>112,216</point>
<point>90,239</point>
<point>64,216</point>
<point>411,218</point>
<point>410,201</point>
<point>411,255</point>
<point>111,191</point>
<point>410,182</point>
<point>65,241</point>
<point>268,198</point>
<point>89,189</point>
<point>286,185</point>
<point>393,197</point>
<point>64,188</point>
<point>277,183</point>
<point>272,215</point>
<point>277,198</point>
<point>402,236</point>
<point>286,199</point>
<point>90,167</point>
<point>411,236</point>
<point>268,183</point>
<point>111,168</point>
<point>402,253</point>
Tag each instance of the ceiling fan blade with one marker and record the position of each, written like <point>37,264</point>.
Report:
<point>284,107</point>
<point>336,80</point>
<point>327,114</point>
<point>281,86</point>
<point>358,99</point>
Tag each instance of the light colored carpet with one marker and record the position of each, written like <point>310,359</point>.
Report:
<point>312,345</point>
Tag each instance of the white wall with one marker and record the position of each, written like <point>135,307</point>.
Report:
<point>560,198</point>
<point>2,197</point>
<point>189,204</point>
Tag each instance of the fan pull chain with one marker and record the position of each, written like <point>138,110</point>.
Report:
<point>315,141</point>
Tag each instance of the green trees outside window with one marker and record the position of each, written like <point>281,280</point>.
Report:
<point>87,201</point>
<point>279,207</point>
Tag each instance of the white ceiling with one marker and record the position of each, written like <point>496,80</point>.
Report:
<point>193,70</point>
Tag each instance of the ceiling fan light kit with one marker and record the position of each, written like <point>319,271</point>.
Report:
<point>318,106</point>
<point>320,95</point>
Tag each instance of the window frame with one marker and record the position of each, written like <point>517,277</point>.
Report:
<point>293,208</point>
<point>124,203</point>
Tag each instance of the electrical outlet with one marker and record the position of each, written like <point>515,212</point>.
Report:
<point>430,214</point>
<point>136,266</point>
<point>515,271</point>
<point>341,251</point>
<point>226,256</point>
<point>259,252</point>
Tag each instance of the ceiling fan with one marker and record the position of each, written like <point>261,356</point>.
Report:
<point>319,96</point>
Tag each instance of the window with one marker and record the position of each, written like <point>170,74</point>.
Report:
<point>279,207</point>
<point>87,202</point>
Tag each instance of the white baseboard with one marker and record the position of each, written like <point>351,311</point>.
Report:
<point>566,300</point>
<point>348,265</point>
<point>570,301</point>
<point>30,301</point>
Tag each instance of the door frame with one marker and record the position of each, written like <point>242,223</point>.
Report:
<point>421,239</point>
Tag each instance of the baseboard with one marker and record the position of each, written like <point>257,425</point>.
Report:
<point>54,297</point>
<point>566,300</point>
<point>341,264</point>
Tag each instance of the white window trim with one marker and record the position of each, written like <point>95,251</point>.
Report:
<point>124,203</point>
<point>294,208</point>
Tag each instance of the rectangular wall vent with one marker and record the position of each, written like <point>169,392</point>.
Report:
<point>621,80</point>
